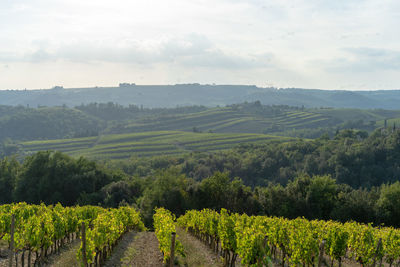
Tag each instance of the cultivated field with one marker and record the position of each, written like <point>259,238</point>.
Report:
<point>117,146</point>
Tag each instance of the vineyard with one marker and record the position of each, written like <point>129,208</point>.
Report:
<point>119,146</point>
<point>35,231</point>
<point>260,240</point>
<point>164,225</point>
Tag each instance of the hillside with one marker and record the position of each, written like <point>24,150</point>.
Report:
<point>197,94</point>
<point>21,123</point>
<point>119,146</point>
<point>114,131</point>
<point>245,118</point>
<point>256,118</point>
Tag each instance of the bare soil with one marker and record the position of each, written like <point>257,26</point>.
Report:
<point>136,249</point>
<point>197,253</point>
<point>66,257</point>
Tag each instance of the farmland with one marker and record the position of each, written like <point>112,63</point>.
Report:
<point>118,146</point>
<point>229,120</point>
<point>141,132</point>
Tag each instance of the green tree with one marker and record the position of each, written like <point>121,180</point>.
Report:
<point>8,176</point>
<point>388,204</point>
<point>52,177</point>
<point>321,196</point>
<point>168,190</point>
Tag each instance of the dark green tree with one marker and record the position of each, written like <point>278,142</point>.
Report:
<point>9,169</point>
<point>52,177</point>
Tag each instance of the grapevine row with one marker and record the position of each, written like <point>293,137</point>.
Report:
<point>259,239</point>
<point>41,229</point>
<point>164,226</point>
<point>105,230</point>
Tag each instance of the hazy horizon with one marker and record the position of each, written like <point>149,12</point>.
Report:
<point>201,84</point>
<point>317,44</point>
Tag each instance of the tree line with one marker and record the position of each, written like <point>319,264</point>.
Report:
<point>53,177</point>
<point>351,157</point>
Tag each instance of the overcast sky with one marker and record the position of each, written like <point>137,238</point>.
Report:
<point>327,44</point>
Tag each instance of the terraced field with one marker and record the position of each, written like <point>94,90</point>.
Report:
<point>395,122</point>
<point>228,120</point>
<point>209,130</point>
<point>64,145</point>
<point>350,114</point>
<point>118,146</point>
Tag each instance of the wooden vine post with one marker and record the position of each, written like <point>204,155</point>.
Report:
<point>321,253</point>
<point>378,246</point>
<point>11,241</point>
<point>84,244</point>
<point>172,255</point>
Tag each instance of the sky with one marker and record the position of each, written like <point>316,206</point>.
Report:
<point>325,44</point>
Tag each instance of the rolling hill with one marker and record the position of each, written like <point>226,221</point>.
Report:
<point>114,131</point>
<point>232,119</point>
<point>197,94</point>
<point>118,146</point>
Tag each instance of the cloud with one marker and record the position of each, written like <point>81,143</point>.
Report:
<point>364,59</point>
<point>190,51</point>
<point>295,43</point>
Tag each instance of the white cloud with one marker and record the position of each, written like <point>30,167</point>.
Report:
<point>365,60</point>
<point>191,51</point>
<point>284,42</point>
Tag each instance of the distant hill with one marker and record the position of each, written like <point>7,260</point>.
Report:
<point>20,123</point>
<point>119,146</point>
<point>197,94</point>
<point>111,130</point>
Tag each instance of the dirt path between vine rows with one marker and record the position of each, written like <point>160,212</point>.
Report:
<point>66,256</point>
<point>197,253</point>
<point>136,249</point>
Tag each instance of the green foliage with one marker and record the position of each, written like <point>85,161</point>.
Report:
<point>336,241</point>
<point>8,176</point>
<point>120,192</point>
<point>52,177</point>
<point>107,227</point>
<point>389,203</point>
<point>251,240</point>
<point>310,178</point>
<point>113,111</point>
<point>123,146</point>
<point>169,190</point>
<point>219,191</point>
<point>164,226</point>
<point>111,118</point>
<point>20,123</point>
<point>38,227</point>
<point>226,231</point>
<point>321,196</point>
<point>299,240</point>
